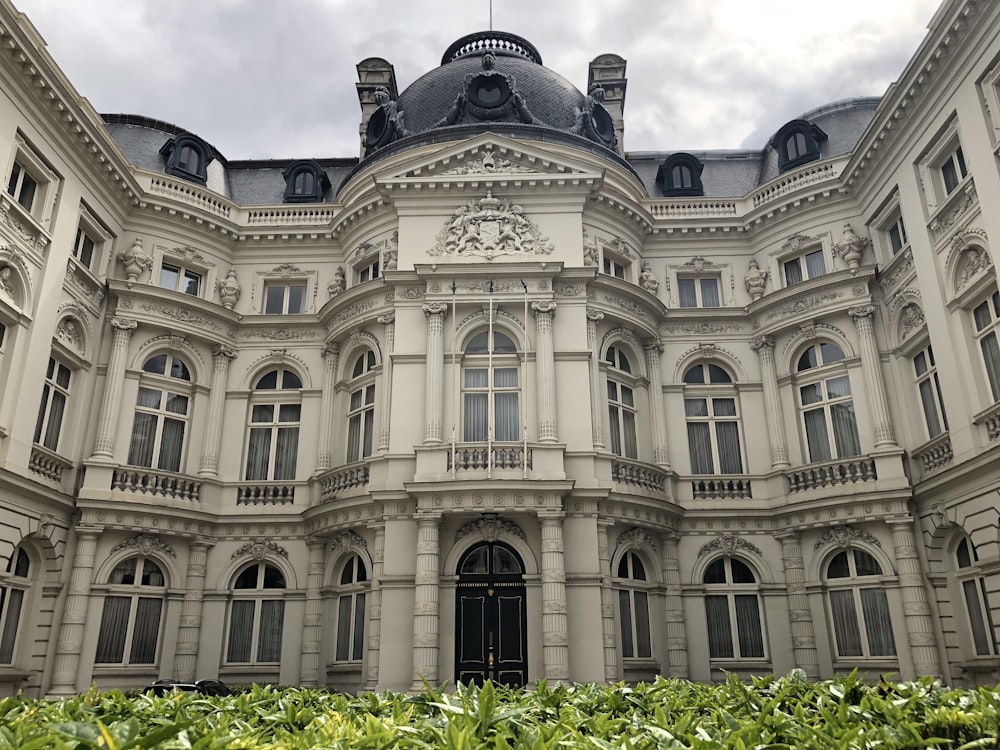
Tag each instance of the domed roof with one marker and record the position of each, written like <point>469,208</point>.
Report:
<point>489,81</point>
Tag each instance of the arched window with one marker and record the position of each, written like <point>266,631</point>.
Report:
<point>732,608</point>
<point>986,318</point>
<point>621,403</point>
<point>133,608</point>
<point>828,418</point>
<point>351,610</point>
<point>305,182</point>
<point>161,414</point>
<point>273,433</point>
<point>633,607</point>
<point>490,388</point>
<point>188,157</point>
<point>977,602</point>
<point>797,143</point>
<point>680,174</point>
<point>15,584</point>
<point>256,615</point>
<point>858,606</point>
<point>55,399</point>
<point>713,421</point>
<point>361,415</point>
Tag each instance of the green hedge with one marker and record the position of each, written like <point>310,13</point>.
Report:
<point>789,712</point>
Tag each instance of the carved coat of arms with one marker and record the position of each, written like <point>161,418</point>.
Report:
<point>490,227</point>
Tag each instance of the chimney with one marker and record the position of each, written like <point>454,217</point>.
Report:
<point>609,71</point>
<point>372,73</point>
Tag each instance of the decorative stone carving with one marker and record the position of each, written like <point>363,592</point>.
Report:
<point>69,333</point>
<point>286,270</point>
<point>488,163</point>
<point>145,543</point>
<point>647,279</point>
<point>972,261</point>
<point>591,254</point>
<point>229,290</point>
<point>487,95</point>
<point>911,318</point>
<point>593,121</point>
<point>843,536</point>
<point>728,544</point>
<point>135,261</point>
<point>187,252</point>
<point>755,281</point>
<point>346,540</point>
<point>339,283</point>
<point>259,549</point>
<point>490,227</point>
<point>390,258</point>
<point>6,282</point>
<point>490,529</point>
<point>636,538</point>
<point>851,248</point>
<point>385,124</point>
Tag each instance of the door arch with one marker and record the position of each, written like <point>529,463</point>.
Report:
<point>490,616</point>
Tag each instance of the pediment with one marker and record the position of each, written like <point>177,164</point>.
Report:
<point>487,156</point>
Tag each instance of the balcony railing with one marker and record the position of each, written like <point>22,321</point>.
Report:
<point>831,474</point>
<point>340,480</point>
<point>142,481</point>
<point>48,464</point>
<point>934,454</point>
<point>721,488</point>
<point>990,419</point>
<point>478,457</point>
<point>265,493</point>
<point>637,474</point>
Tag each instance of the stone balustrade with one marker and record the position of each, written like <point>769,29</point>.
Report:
<point>478,457</point>
<point>344,478</point>
<point>184,192</point>
<point>152,483</point>
<point>680,208</point>
<point>638,474</point>
<point>789,182</point>
<point>290,216</point>
<point>990,419</point>
<point>265,493</point>
<point>831,473</point>
<point>48,464</point>
<point>934,454</point>
<point>721,487</point>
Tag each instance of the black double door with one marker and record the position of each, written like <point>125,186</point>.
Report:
<point>491,621</point>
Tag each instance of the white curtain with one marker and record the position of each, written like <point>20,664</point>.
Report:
<point>140,449</point>
<point>816,435</point>
<point>114,627</point>
<point>815,264</point>
<point>930,404</point>
<point>709,292</point>
<point>642,639</point>
<point>991,357</point>
<point>700,447</point>
<point>980,633</point>
<point>15,598</point>
<point>845,429</point>
<point>687,293</point>
<point>272,617</point>
<point>845,623</point>
<point>878,623</point>
<point>476,405</point>
<point>258,452</point>
<point>727,435</point>
<point>793,272</point>
<point>171,443</point>
<point>720,634</point>
<point>145,631</point>
<point>748,626</point>
<point>240,631</point>
<point>344,627</point>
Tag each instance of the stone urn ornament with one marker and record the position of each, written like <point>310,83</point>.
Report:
<point>229,290</point>
<point>851,248</point>
<point>135,261</point>
<point>755,281</point>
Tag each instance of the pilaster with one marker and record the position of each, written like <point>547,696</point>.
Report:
<point>916,607</point>
<point>677,652</point>
<point>222,356</point>
<point>799,612</point>
<point>433,415</point>
<point>189,632</point>
<point>658,419</point>
<point>555,624</point>
<point>67,661</point>
<point>611,673</point>
<point>764,346</point>
<point>545,370</point>
<point>331,356</point>
<point>107,420</point>
<point>385,401</point>
<point>375,609</point>
<point>312,623</point>
<point>878,407</point>
<point>426,606</point>
<point>596,398</point>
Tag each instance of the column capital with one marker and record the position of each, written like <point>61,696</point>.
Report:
<point>435,308</point>
<point>653,345</point>
<point>124,324</point>
<point>330,349</point>
<point>428,517</point>
<point>224,351</point>
<point>595,315</point>
<point>762,342</point>
<point>861,312</point>
<point>551,516</point>
<point>542,308</point>
<point>386,319</point>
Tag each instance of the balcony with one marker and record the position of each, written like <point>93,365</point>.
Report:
<point>48,464</point>
<point>631,473</point>
<point>858,469</point>
<point>265,493</point>
<point>721,487</point>
<point>934,454</point>
<point>141,481</point>
<point>478,457</point>
<point>990,419</point>
<point>338,481</point>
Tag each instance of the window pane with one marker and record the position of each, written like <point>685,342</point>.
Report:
<point>631,449</point>
<point>839,567</point>
<point>12,615</point>
<point>476,407</point>
<point>929,403</point>
<point>642,639</point>
<point>830,353</point>
<point>296,299</point>
<point>627,396</point>
<point>991,357</point>
<point>262,413</point>
<point>748,627</point>
<point>145,631</point>
<point>845,623</point>
<point>878,625</point>
<point>240,631</point>
<point>273,578</point>
<point>343,628</point>
<point>838,387</point>
<point>258,454</point>
<point>140,449</point>
<point>815,264</point>
<point>625,613</point>
<point>476,378</point>
<point>272,615</point>
<point>505,377</point>
<point>720,634</point>
<point>169,277</point>
<point>171,445</point>
<point>192,282</point>
<point>358,647</point>
<point>700,446</point>
<point>505,417</point>
<point>709,292</point>
<point>811,394</point>
<point>696,407</point>
<point>727,435</point>
<point>686,290</point>
<point>845,429</point>
<point>616,434</point>
<point>114,627</point>
<point>274,300</point>
<point>976,621</point>
<point>716,572</point>
<point>353,438</point>
<point>741,572</point>
<point>176,403</point>
<point>289,412</point>
<point>286,453</point>
<point>816,435</point>
<point>724,407</point>
<point>793,272</point>
<point>56,409</point>
<point>865,564</point>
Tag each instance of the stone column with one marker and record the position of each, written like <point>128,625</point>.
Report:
<point>67,661</point>
<point>596,390</point>
<point>916,608</point>
<point>434,371</point>
<point>607,603</point>
<point>312,623</point>
<point>331,356</point>
<point>555,624</point>
<point>189,632</point>
<point>878,408</point>
<point>677,650</point>
<point>389,321</point>
<point>375,608</point>
<point>799,612</point>
<point>425,605</point>
<point>107,421</point>
<point>222,355</point>
<point>764,346</point>
<point>658,418</point>
<point>545,370</point>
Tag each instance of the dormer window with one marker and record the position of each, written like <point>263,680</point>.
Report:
<point>680,175</point>
<point>188,157</point>
<point>305,182</point>
<point>797,143</point>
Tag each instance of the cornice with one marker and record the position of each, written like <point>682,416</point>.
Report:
<point>833,292</point>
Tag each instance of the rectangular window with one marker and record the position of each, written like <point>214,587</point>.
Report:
<point>986,317</point>
<point>350,627</point>
<point>180,279</point>
<point>284,299</point>
<point>831,428</point>
<point>32,183</point>
<point>158,429</point>
<point>953,170</point>
<point>806,266</point>
<point>22,186</point>
<point>698,292</point>
<point>83,248</point>
<point>476,390</point>
<point>361,423</point>
<point>621,418</point>
<point>897,235</point>
<point>713,436</point>
<point>55,394</point>
<point>273,446</point>
<point>929,388</point>
<point>368,272</point>
<point>614,267</point>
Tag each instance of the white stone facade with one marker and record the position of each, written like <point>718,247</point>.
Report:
<point>275,469</point>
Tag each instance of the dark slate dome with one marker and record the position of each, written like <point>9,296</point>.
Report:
<point>490,81</point>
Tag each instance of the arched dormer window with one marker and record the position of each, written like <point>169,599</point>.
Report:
<point>305,182</point>
<point>826,404</point>
<point>188,157</point>
<point>797,143</point>
<point>680,174</point>
<point>711,409</point>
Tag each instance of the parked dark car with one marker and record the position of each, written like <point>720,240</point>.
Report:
<point>205,687</point>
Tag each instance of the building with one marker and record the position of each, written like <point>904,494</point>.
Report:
<point>496,397</point>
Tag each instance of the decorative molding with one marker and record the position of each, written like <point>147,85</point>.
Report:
<point>145,543</point>
<point>636,537</point>
<point>259,549</point>
<point>490,529</point>
<point>728,544</point>
<point>843,536</point>
<point>490,227</point>
<point>489,163</point>
<point>347,540</point>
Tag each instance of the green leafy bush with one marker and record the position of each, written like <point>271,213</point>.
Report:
<point>767,714</point>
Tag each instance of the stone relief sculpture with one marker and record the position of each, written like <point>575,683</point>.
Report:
<point>385,124</point>
<point>755,281</point>
<point>488,95</point>
<point>339,283</point>
<point>229,290</point>
<point>851,248</point>
<point>390,257</point>
<point>592,120</point>
<point>490,227</point>
<point>647,279</point>
<point>6,282</point>
<point>135,261</point>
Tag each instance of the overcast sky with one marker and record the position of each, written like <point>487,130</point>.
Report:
<point>275,78</point>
